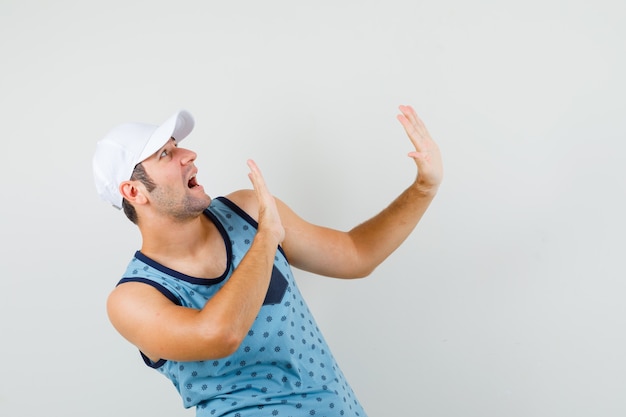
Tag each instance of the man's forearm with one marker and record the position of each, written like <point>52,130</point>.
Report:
<point>238,302</point>
<point>378,237</point>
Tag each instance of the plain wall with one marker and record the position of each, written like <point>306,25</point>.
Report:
<point>507,300</point>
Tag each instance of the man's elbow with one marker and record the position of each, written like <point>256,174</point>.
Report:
<point>360,271</point>
<point>226,341</point>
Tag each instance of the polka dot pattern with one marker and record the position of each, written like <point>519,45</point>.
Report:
<point>284,366</point>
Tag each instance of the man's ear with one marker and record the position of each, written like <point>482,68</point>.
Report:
<point>133,191</point>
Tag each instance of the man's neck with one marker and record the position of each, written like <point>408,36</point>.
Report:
<point>194,247</point>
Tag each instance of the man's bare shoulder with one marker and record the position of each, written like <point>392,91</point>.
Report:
<point>132,305</point>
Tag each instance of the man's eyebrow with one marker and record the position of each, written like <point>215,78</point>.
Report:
<point>167,143</point>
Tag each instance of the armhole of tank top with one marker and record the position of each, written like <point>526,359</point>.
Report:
<point>167,293</point>
<point>153,365</point>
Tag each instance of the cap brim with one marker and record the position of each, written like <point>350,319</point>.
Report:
<point>178,126</point>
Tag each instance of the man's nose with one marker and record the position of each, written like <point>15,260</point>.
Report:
<point>187,156</point>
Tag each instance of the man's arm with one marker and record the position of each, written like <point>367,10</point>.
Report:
<point>358,252</point>
<point>163,330</point>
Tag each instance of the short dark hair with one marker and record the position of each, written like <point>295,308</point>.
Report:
<point>139,174</point>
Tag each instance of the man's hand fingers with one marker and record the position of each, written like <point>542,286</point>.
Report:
<point>426,154</point>
<point>269,219</point>
<point>413,125</point>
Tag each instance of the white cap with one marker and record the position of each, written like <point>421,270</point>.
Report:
<point>129,144</point>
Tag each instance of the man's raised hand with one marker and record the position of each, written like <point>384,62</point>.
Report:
<point>269,219</point>
<point>426,155</point>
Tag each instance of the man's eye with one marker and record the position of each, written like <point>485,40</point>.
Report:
<point>163,154</point>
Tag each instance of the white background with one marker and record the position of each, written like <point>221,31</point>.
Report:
<point>509,298</point>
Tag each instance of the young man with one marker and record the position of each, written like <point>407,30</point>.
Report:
<point>210,299</point>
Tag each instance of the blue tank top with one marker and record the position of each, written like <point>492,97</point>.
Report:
<point>283,367</point>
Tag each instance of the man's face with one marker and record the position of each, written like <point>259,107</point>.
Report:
<point>177,192</point>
